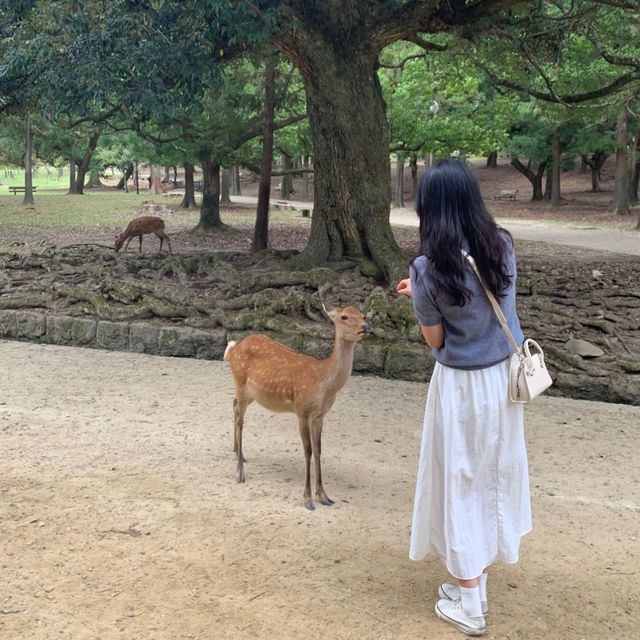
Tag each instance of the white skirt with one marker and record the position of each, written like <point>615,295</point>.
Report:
<point>472,501</point>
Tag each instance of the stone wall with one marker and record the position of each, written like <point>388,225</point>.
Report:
<point>401,360</point>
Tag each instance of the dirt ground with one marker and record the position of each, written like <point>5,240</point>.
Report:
<point>120,516</point>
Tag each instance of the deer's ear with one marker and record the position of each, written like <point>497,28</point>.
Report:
<point>331,313</point>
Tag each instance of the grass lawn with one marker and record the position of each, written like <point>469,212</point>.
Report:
<point>111,209</point>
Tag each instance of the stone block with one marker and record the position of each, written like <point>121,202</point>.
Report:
<point>209,345</point>
<point>112,335</point>
<point>30,325</point>
<point>144,338</point>
<point>8,324</point>
<point>176,341</point>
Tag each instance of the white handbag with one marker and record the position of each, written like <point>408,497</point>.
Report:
<point>528,374</point>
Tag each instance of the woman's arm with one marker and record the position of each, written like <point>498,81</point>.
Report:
<point>434,335</point>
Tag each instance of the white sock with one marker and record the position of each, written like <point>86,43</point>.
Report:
<point>482,583</point>
<point>471,601</point>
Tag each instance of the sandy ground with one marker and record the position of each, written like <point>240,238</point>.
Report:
<point>120,516</point>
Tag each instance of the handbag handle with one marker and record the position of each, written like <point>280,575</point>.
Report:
<point>494,304</point>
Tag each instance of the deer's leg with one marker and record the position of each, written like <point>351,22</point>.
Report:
<point>240,405</point>
<point>303,422</point>
<point>126,246</point>
<point>164,236</point>
<point>316,444</point>
<point>140,238</point>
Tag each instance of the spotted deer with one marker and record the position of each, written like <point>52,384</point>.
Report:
<point>283,380</point>
<point>141,226</point>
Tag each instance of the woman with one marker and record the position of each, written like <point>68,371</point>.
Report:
<point>472,502</point>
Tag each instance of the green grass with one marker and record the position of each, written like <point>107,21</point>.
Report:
<point>14,177</point>
<point>110,209</point>
<point>59,210</point>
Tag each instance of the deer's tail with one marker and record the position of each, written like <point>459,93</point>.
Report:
<point>230,346</point>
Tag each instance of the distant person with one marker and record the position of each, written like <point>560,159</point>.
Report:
<point>472,503</point>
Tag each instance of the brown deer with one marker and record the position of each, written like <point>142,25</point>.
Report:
<point>138,227</point>
<point>282,379</point>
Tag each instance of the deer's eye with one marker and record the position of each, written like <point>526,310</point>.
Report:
<point>344,317</point>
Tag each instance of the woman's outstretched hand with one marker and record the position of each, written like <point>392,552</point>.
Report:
<point>404,287</point>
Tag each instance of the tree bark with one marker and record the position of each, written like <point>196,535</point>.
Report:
<point>399,190</point>
<point>620,202</point>
<point>595,165</point>
<point>492,160</point>
<point>225,187</point>
<point>28,167</point>
<point>305,176</point>
<point>534,177</point>
<point>350,151</point>
<point>83,165</point>
<point>94,180</point>
<point>123,183</point>
<point>261,230</point>
<point>235,180</point>
<point>413,163</point>
<point>210,208</point>
<point>634,177</point>
<point>155,185</point>
<point>72,178</point>
<point>189,199</point>
<point>286,186</point>
<point>556,152</point>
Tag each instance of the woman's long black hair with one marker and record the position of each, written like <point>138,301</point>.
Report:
<point>451,210</point>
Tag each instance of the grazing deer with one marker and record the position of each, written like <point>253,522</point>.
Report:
<point>141,226</point>
<point>282,379</point>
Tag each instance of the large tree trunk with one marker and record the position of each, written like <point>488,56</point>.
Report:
<point>235,180</point>
<point>225,187</point>
<point>123,183</point>
<point>261,230</point>
<point>189,200</point>
<point>286,185</point>
<point>210,207</point>
<point>534,177</point>
<point>28,174</point>
<point>350,151</point>
<point>556,152</point>
<point>94,180</point>
<point>595,164</point>
<point>83,165</point>
<point>155,183</point>
<point>620,202</point>
<point>73,187</point>
<point>492,160</point>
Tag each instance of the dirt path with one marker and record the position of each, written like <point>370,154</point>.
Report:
<point>570,233</point>
<point>120,517</point>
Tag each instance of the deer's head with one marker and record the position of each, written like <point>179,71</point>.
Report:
<point>350,324</point>
<point>119,242</point>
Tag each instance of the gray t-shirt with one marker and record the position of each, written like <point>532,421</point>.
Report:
<point>473,337</point>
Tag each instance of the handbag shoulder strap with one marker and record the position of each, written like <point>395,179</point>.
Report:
<point>494,303</point>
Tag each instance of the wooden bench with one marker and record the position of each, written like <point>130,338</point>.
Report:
<point>507,194</point>
<point>15,190</point>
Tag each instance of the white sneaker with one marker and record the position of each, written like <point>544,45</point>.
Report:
<point>451,611</point>
<point>450,591</point>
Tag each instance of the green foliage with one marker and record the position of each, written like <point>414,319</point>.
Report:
<point>439,102</point>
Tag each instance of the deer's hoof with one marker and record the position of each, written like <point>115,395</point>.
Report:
<point>309,505</point>
<point>327,501</point>
<point>241,479</point>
